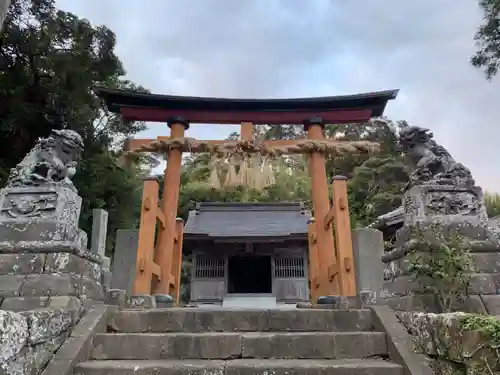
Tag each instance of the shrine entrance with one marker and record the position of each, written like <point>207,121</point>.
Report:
<point>249,274</point>
<point>159,253</point>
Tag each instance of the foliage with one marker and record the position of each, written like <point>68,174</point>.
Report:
<point>487,39</point>
<point>489,329</point>
<point>492,203</point>
<point>442,263</point>
<point>49,60</point>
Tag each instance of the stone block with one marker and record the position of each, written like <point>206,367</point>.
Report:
<point>31,215</point>
<point>45,324</point>
<point>368,248</point>
<point>449,203</point>
<point>145,301</point>
<point>24,303</point>
<point>492,304</point>
<point>471,304</point>
<point>13,335</point>
<point>415,302</point>
<point>314,345</point>
<point>21,264</point>
<point>91,289</point>
<point>51,285</point>
<point>201,320</point>
<point>99,231</point>
<point>116,297</point>
<point>10,285</point>
<point>220,345</point>
<point>319,320</point>
<point>163,300</point>
<point>483,283</point>
<point>65,263</point>
<point>487,262</point>
<point>125,259</point>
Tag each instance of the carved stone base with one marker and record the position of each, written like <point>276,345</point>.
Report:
<point>40,217</point>
<point>455,209</point>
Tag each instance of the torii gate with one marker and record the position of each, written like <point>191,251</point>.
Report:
<point>331,262</point>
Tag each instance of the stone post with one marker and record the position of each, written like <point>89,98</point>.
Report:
<point>99,231</point>
<point>4,7</point>
<point>368,248</point>
<point>125,259</point>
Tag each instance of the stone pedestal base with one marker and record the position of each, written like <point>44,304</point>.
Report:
<point>454,211</point>
<point>41,219</point>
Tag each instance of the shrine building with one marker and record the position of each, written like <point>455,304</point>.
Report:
<point>257,249</point>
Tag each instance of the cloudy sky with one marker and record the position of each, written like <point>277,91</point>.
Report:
<point>295,48</point>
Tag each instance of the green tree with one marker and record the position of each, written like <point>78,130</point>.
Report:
<point>49,60</point>
<point>487,39</point>
<point>492,202</point>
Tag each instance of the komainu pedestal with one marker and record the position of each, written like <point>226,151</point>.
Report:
<point>48,278</point>
<point>43,218</point>
<point>441,194</point>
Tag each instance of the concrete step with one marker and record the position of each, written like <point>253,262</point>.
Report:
<point>249,301</point>
<point>220,319</point>
<point>221,345</point>
<point>241,367</point>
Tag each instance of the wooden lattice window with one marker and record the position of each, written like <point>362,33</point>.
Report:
<point>289,267</point>
<point>209,267</point>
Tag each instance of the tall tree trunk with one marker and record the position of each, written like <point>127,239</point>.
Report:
<point>4,7</point>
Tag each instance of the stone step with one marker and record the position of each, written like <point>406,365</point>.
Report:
<point>220,319</point>
<point>241,367</point>
<point>222,345</point>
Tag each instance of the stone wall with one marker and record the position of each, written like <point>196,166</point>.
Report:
<point>402,292</point>
<point>455,348</point>
<point>43,296</point>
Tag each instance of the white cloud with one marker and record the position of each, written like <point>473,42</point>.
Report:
<point>273,48</point>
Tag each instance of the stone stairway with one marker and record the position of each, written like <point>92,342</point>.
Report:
<point>240,341</point>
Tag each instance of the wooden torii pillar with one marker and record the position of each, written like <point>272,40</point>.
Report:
<point>159,261</point>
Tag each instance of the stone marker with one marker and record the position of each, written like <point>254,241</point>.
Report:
<point>99,231</point>
<point>368,248</point>
<point>125,259</point>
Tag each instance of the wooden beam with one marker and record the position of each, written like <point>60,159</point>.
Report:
<point>155,268</point>
<point>258,118</point>
<point>146,242</point>
<point>166,235</point>
<point>161,217</point>
<point>246,131</point>
<point>329,218</point>
<point>314,266</point>
<point>343,236</point>
<point>321,206</point>
<point>177,261</point>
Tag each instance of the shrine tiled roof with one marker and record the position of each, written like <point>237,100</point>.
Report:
<point>213,220</point>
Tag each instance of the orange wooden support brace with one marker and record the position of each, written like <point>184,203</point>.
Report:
<point>321,206</point>
<point>166,234</point>
<point>343,236</point>
<point>177,260</point>
<point>313,261</point>
<point>246,131</point>
<point>146,243</point>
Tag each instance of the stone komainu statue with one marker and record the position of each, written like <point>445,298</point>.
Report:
<point>431,163</point>
<point>51,161</point>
